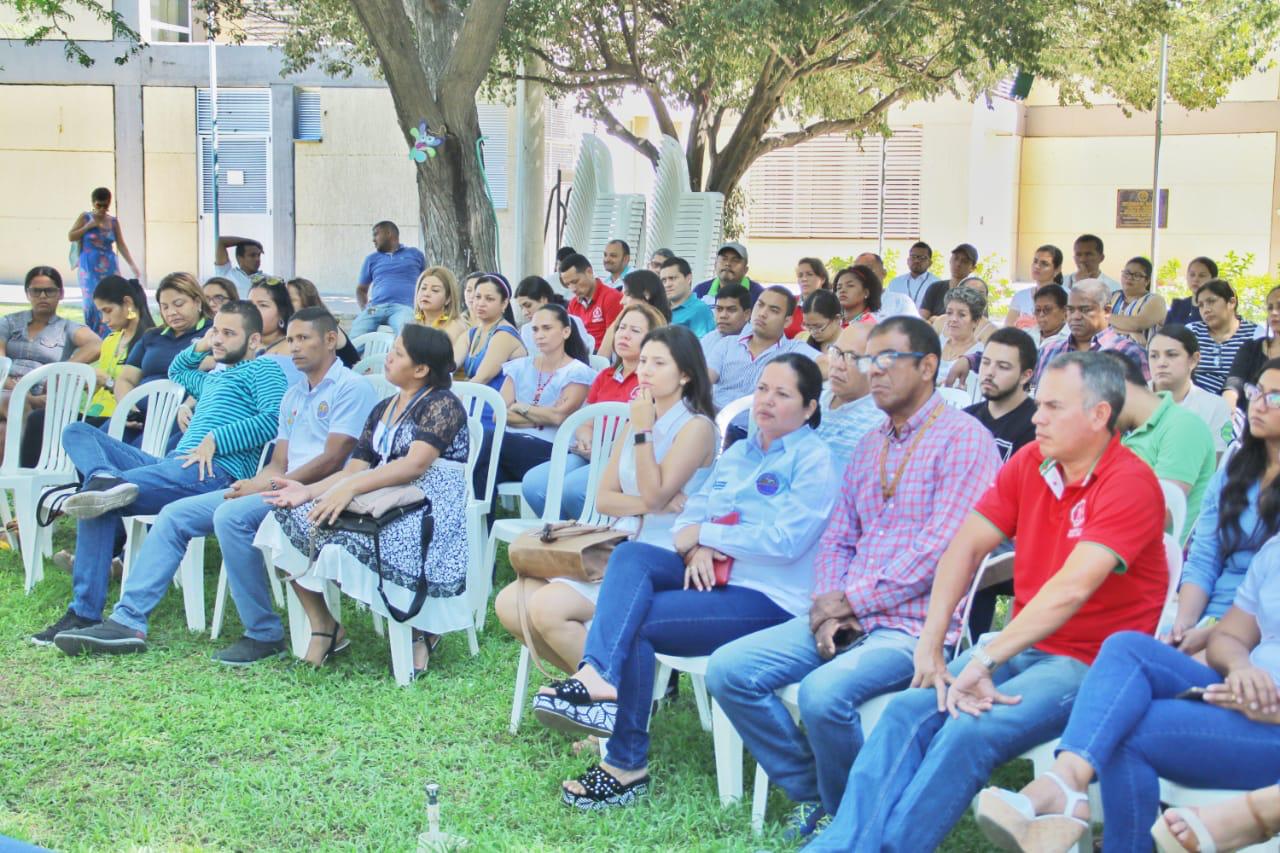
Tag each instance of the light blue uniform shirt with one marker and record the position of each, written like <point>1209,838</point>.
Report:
<point>784,498</point>
<point>341,403</point>
<point>1259,596</point>
<point>737,372</point>
<point>844,427</point>
<point>694,315</point>
<point>913,287</point>
<point>1206,566</point>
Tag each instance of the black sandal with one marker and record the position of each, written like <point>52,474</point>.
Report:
<point>431,650</point>
<point>572,710</point>
<point>602,791</point>
<point>334,646</point>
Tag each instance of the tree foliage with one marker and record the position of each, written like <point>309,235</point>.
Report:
<point>759,75</point>
<point>38,20</point>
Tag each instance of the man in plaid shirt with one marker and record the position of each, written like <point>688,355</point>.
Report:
<point>908,486</point>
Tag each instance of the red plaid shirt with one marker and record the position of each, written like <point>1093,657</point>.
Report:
<point>883,554</point>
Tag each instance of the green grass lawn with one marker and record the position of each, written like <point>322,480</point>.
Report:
<point>167,750</point>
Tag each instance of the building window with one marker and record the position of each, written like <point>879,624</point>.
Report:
<point>830,187</point>
<point>308,117</point>
<point>166,20</point>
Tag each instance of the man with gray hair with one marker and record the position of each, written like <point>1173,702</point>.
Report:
<point>1089,319</point>
<point>1087,519</point>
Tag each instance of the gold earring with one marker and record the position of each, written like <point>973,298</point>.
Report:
<point>132,315</point>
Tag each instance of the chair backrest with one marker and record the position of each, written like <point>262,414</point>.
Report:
<point>731,410</point>
<point>598,362</point>
<point>382,386</point>
<point>374,343</point>
<point>6,364</point>
<point>1173,558</point>
<point>67,387</point>
<point>1176,504</point>
<point>607,419</point>
<point>163,398</point>
<point>371,365</point>
<point>958,397</point>
<point>475,397</point>
<point>989,573</point>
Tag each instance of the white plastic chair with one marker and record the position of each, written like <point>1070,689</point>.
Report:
<point>598,362</point>
<point>731,410</point>
<point>220,597</point>
<point>371,365</point>
<point>374,344</point>
<point>382,386</point>
<point>163,400</point>
<point>610,421</point>
<point>1175,502</point>
<point>480,569</point>
<point>67,387</point>
<point>958,397</point>
<point>1178,796</point>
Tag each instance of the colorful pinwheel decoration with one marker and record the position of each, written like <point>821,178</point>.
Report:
<point>424,143</point>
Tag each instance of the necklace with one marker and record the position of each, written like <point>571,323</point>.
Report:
<point>887,486</point>
<point>543,383</point>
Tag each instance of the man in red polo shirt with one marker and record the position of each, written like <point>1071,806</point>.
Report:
<point>1087,520</point>
<point>593,301</point>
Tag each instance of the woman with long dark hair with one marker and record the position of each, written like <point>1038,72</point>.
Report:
<point>1240,512</point>
<point>532,293</point>
<point>1253,354</point>
<point>418,436</point>
<point>764,505</point>
<point>1137,310</point>
<point>123,307</point>
<point>650,479</point>
<point>1200,271</point>
<point>1046,269</point>
<point>540,391</point>
<point>492,340</point>
<point>858,288</point>
<point>96,235</point>
<point>637,286</point>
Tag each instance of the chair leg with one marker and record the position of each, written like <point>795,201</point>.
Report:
<point>661,675</point>
<point>759,799</point>
<point>299,624</point>
<point>28,535</point>
<point>6,516</point>
<point>277,586</point>
<point>522,687</point>
<point>192,570</point>
<point>700,699</point>
<point>135,531</point>
<point>379,625</point>
<point>219,602</point>
<point>401,637</point>
<point>473,644</point>
<point>729,751</point>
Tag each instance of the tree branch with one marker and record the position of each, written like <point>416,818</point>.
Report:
<point>474,48</point>
<point>618,130</point>
<point>824,128</point>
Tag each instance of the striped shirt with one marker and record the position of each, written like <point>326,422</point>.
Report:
<point>1107,339</point>
<point>239,405</point>
<point>1216,358</point>
<point>883,554</point>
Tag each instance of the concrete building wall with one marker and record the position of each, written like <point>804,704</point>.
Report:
<point>78,27</point>
<point>1220,195</point>
<point>56,145</point>
<point>170,178</point>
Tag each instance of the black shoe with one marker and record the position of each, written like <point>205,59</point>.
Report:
<point>110,638</point>
<point>69,621</point>
<point>101,494</point>
<point>246,651</point>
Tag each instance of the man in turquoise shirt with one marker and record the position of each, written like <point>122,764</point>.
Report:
<point>677,280</point>
<point>1172,440</point>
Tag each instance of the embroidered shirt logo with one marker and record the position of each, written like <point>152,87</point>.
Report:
<point>1076,516</point>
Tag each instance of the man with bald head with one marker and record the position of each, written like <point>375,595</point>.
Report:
<point>848,410</point>
<point>1089,319</point>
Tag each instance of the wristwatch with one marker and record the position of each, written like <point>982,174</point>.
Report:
<point>641,438</point>
<point>981,656</point>
<point>110,384</point>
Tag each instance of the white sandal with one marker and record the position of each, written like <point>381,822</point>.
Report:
<point>1009,820</point>
<point>1167,842</point>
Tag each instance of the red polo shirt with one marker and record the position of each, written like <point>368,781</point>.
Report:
<point>608,388</point>
<point>1117,505</point>
<point>598,314</point>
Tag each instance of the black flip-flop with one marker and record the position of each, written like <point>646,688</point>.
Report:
<point>334,646</point>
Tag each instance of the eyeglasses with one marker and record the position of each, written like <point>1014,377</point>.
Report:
<point>218,299</point>
<point>885,360</point>
<point>1131,274</point>
<point>834,353</point>
<point>43,292</point>
<point>1270,399</point>
<point>814,330</point>
<point>1044,310</point>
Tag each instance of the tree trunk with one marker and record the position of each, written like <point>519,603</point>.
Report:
<point>434,57</point>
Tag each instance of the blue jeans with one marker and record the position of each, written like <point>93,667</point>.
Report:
<point>391,314</point>
<point>644,609</point>
<point>160,482</point>
<point>920,769</point>
<point>1129,726</point>
<point>812,765</point>
<point>534,487</point>
<point>235,522</point>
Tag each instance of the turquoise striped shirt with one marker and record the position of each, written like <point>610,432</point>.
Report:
<point>239,405</point>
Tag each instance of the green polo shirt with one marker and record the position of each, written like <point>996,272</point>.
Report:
<point>693,314</point>
<point>1179,446</point>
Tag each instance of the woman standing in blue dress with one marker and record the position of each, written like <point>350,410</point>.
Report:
<point>96,235</point>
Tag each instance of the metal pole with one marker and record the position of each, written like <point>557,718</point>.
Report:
<point>884,144</point>
<point>1155,176</point>
<point>213,126</point>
